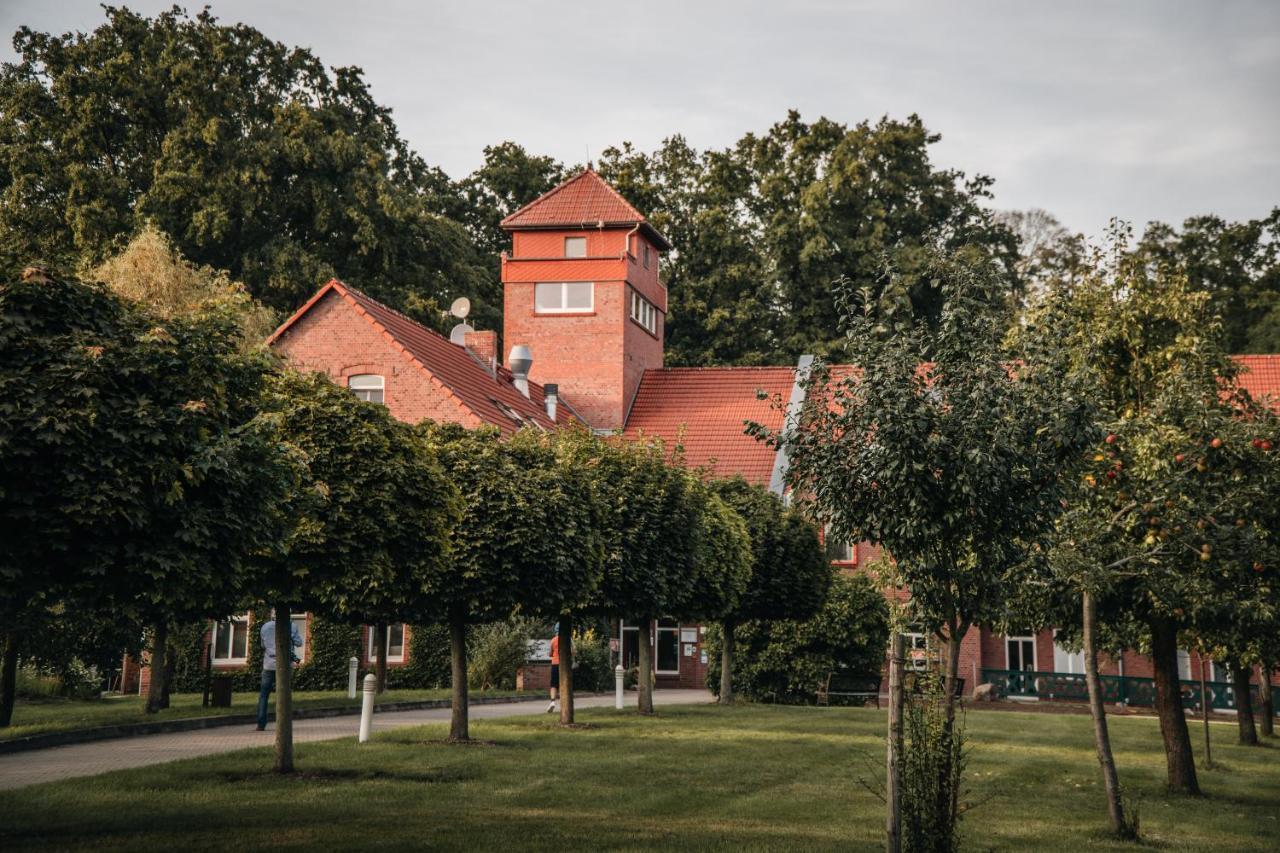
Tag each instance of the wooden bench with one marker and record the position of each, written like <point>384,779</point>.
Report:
<point>842,684</point>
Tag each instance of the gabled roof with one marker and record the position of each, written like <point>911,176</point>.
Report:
<point>583,201</point>
<point>706,409</point>
<point>1259,375</point>
<point>492,399</point>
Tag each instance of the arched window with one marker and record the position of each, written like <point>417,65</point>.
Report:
<point>367,387</point>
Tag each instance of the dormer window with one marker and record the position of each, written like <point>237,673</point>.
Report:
<point>564,297</point>
<point>575,247</point>
<point>367,386</point>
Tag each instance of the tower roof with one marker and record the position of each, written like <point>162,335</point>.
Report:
<point>583,201</point>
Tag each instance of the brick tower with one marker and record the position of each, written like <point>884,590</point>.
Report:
<point>581,290</point>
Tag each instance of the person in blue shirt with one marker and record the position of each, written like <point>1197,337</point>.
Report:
<point>269,664</point>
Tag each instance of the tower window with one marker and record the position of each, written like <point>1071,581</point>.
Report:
<point>564,297</point>
<point>575,247</point>
<point>643,312</point>
<point>367,386</point>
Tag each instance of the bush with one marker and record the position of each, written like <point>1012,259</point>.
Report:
<point>785,660</point>
<point>331,645</point>
<point>594,671</point>
<point>496,650</point>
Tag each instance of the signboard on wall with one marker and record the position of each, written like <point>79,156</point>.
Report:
<point>688,650</point>
<point>688,635</point>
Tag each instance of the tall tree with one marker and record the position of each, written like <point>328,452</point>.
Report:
<point>789,573</point>
<point>1236,263</point>
<point>366,527</point>
<point>763,228</point>
<point>255,157</point>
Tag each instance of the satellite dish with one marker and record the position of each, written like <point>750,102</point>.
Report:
<point>459,334</point>
<point>460,308</point>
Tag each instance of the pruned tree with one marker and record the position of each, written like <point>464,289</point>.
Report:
<point>789,574</point>
<point>365,530</point>
<point>526,539</point>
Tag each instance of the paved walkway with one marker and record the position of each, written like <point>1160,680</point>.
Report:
<point>89,759</point>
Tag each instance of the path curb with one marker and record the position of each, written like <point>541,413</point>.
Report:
<point>190,724</point>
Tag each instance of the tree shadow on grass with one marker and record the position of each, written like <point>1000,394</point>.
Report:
<point>350,774</point>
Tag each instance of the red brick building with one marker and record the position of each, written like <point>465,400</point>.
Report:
<point>585,311</point>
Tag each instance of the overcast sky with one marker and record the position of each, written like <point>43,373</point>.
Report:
<point>1144,110</point>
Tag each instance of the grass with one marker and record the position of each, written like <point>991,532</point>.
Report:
<point>693,778</point>
<point>31,717</point>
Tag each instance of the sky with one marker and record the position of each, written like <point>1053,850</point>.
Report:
<point>1142,110</point>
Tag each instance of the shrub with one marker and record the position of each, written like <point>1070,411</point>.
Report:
<point>785,660</point>
<point>594,670</point>
<point>496,650</point>
<point>331,645</point>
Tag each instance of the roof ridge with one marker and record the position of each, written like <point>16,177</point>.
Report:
<point>545,197</point>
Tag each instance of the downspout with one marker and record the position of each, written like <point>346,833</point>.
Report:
<point>626,247</point>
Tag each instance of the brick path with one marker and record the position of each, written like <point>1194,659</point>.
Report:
<point>89,759</point>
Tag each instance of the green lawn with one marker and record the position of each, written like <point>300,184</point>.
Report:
<point>693,778</point>
<point>40,717</point>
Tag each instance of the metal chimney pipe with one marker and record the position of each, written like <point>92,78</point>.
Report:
<point>519,363</point>
<point>551,392</point>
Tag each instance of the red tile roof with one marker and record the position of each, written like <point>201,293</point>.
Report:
<point>585,200</point>
<point>1259,375</point>
<point>705,409</point>
<point>452,367</point>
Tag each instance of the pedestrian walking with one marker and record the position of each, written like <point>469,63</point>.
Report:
<point>268,683</point>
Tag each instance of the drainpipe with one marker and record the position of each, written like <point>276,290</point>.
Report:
<point>626,247</point>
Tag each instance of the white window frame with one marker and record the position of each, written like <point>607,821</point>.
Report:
<point>1072,658</point>
<point>562,306</point>
<point>299,621</point>
<point>368,386</point>
<point>372,650</point>
<point>828,540</point>
<point>915,641</point>
<point>658,629</point>
<point>576,242</point>
<point>644,313</point>
<point>1021,638</point>
<point>242,622</point>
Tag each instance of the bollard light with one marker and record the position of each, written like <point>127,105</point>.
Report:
<point>353,666</point>
<point>617,686</point>
<point>366,709</point>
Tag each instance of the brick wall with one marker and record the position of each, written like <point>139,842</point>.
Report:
<point>334,339</point>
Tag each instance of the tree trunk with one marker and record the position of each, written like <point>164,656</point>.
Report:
<point>1179,760</point>
<point>459,718</point>
<point>1240,673</point>
<point>284,689</point>
<point>8,678</point>
<point>1101,737</point>
<point>380,656</point>
<point>644,684</point>
<point>170,659</point>
<point>893,760</point>
<point>1267,711</point>
<point>1204,713</point>
<point>159,667</point>
<point>952,667</point>
<point>726,664</point>
<point>566,669</point>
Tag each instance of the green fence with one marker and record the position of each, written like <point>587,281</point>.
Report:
<point>1119,690</point>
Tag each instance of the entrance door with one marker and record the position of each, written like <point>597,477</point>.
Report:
<point>667,637</point>
<point>630,645</point>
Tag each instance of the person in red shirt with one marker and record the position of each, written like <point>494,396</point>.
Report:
<point>555,668</point>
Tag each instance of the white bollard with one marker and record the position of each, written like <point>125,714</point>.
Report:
<point>618,676</point>
<point>352,666</point>
<point>366,710</point>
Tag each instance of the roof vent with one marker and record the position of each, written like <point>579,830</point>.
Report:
<point>519,363</point>
<point>551,396</point>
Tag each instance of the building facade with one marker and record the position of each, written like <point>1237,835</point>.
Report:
<point>584,315</point>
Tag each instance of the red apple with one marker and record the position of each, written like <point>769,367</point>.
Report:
<point>1257,443</point>
<point>1257,567</point>
<point>1180,457</point>
<point>1266,445</point>
<point>1111,438</point>
<point>1111,475</point>
<point>1216,443</point>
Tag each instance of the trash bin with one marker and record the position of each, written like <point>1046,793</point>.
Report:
<point>221,694</point>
